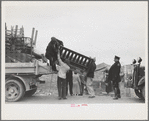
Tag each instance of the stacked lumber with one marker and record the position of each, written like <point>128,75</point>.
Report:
<point>18,48</point>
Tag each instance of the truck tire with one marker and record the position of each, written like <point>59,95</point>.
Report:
<point>14,90</point>
<point>138,93</point>
<point>143,93</point>
<point>30,93</point>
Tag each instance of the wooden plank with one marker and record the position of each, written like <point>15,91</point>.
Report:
<point>35,38</point>
<point>77,60</point>
<point>64,48</point>
<point>19,70</point>
<point>17,65</point>
<point>32,41</point>
<point>32,36</point>
<point>16,30</point>
<point>29,68</point>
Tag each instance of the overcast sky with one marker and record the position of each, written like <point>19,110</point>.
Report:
<point>97,29</point>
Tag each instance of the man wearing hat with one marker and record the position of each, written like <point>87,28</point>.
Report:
<point>114,76</point>
<point>52,50</point>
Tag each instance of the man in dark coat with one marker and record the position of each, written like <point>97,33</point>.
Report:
<point>107,82</point>
<point>114,76</point>
<point>69,81</point>
<point>52,50</point>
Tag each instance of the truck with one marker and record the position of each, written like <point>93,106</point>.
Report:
<point>23,66</point>
<point>21,79</point>
<point>136,80</point>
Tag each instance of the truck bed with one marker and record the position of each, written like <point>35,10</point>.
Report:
<point>35,68</point>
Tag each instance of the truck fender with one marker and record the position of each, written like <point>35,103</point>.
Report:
<point>141,81</point>
<point>26,86</point>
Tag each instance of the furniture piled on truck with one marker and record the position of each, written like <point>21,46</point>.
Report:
<point>23,66</point>
<point>77,61</point>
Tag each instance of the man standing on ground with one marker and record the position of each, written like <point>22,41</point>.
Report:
<point>90,77</point>
<point>61,81</point>
<point>114,76</point>
<point>83,82</point>
<point>69,81</point>
<point>107,82</point>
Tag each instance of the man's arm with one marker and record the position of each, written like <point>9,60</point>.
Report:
<point>59,59</point>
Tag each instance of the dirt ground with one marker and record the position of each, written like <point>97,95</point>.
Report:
<point>47,94</point>
<point>50,87</point>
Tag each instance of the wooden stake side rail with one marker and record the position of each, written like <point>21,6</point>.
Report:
<point>20,68</point>
<point>29,68</point>
<point>77,60</point>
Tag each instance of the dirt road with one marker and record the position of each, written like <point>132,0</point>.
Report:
<point>47,94</point>
<point>53,99</point>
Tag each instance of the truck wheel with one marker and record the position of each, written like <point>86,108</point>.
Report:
<point>143,92</point>
<point>138,93</point>
<point>30,93</point>
<point>14,90</point>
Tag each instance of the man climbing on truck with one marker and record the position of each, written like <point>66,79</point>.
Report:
<point>52,50</point>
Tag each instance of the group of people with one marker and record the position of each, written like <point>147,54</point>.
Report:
<point>76,81</point>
